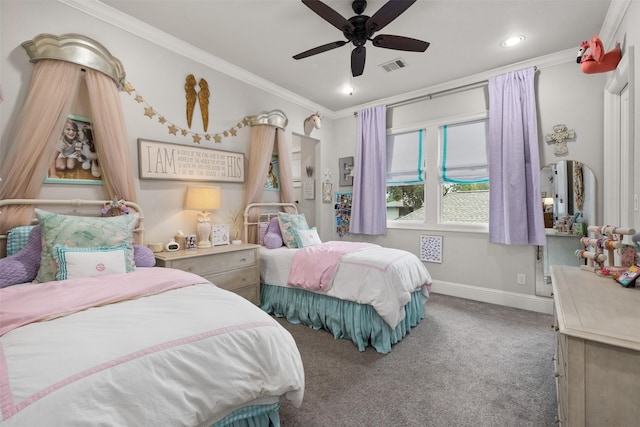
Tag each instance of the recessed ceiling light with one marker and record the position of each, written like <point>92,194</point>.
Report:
<point>512,41</point>
<point>346,90</point>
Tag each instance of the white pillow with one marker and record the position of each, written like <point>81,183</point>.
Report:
<point>308,237</point>
<point>75,263</point>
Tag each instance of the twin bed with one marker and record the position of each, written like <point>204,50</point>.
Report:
<point>92,333</point>
<point>149,346</point>
<point>372,296</point>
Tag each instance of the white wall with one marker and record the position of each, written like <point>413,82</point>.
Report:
<point>472,266</point>
<point>158,74</point>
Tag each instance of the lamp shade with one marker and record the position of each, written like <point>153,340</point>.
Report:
<point>202,198</point>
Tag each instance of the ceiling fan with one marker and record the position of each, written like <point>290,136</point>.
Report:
<point>360,28</point>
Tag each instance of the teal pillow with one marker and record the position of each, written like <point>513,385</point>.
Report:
<point>82,232</point>
<point>305,238</point>
<point>17,238</point>
<point>75,263</point>
<point>287,223</point>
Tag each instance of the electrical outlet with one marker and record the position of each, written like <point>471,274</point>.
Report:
<point>522,279</point>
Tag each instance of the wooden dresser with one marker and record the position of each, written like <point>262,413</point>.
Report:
<point>232,267</point>
<point>597,356</point>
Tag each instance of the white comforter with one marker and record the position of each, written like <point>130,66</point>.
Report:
<point>384,278</point>
<point>183,357</point>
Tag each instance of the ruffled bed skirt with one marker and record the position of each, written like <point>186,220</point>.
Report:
<point>252,416</point>
<point>344,319</point>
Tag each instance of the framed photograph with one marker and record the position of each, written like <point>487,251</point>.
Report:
<point>75,160</point>
<point>190,241</point>
<point>220,234</point>
<point>273,174</point>
<point>162,160</point>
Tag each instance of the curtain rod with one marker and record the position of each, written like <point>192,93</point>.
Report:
<point>437,94</point>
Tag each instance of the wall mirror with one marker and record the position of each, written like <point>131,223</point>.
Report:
<point>568,189</point>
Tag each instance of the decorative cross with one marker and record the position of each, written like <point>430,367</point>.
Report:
<point>559,136</point>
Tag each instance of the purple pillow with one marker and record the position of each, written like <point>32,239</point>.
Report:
<point>23,266</point>
<point>273,237</point>
<point>143,256</point>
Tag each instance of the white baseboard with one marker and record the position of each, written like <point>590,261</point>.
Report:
<point>494,296</point>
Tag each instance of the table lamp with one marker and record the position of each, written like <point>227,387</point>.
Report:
<point>203,199</point>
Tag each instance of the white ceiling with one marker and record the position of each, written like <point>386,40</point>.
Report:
<point>261,36</point>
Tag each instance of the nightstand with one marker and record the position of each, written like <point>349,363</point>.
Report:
<point>235,268</point>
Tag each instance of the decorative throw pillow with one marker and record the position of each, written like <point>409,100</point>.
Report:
<point>82,232</point>
<point>143,256</point>
<point>262,230</point>
<point>17,237</point>
<point>307,237</point>
<point>76,263</point>
<point>287,223</point>
<point>273,238</point>
<point>22,267</point>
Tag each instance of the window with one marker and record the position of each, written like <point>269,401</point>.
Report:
<point>439,174</point>
<point>405,176</point>
<point>464,172</point>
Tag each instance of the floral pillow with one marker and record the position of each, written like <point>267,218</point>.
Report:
<point>82,232</point>
<point>288,222</point>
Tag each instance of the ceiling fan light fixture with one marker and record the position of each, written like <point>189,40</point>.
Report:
<point>512,41</point>
<point>347,90</point>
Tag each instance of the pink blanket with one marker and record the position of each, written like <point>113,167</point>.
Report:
<point>21,305</point>
<point>313,267</point>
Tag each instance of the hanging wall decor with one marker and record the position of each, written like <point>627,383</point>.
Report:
<point>173,129</point>
<point>343,212</point>
<point>431,248</point>
<point>559,137</point>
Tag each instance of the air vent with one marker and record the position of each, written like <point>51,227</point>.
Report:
<point>394,65</point>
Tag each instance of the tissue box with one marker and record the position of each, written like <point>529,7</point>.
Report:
<point>580,228</point>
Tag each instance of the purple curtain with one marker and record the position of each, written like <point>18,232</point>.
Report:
<point>515,215</point>
<point>369,203</point>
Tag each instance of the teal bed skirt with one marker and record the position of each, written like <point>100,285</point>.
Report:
<point>359,323</point>
<point>252,416</point>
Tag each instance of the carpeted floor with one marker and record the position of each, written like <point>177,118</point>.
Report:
<point>467,363</point>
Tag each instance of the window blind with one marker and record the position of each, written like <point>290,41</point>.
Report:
<point>464,153</point>
<point>404,158</point>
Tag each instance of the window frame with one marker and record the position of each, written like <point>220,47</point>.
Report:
<point>432,184</point>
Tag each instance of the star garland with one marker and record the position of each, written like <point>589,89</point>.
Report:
<point>150,112</point>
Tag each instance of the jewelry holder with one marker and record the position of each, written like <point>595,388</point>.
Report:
<point>602,247</point>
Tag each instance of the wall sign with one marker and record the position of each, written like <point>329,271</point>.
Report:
<point>162,160</point>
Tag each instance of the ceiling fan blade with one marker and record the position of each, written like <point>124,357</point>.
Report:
<point>329,15</point>
<point>387,13</point>
<point>358,56</point>
<point>320,49</point>
<point>388,41</point>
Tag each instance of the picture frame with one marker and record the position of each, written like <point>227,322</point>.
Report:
<point>272,182</point>
<point>220,234</point>
<point>76,160</point>
<point>326,192</point>
<point>166,161</point>
<point>431,249</point>
<point>190,241</point>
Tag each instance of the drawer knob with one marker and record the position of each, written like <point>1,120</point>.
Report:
<point>557,374</point>
<point>243,260</point>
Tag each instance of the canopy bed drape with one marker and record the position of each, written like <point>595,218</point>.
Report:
<point>267,134</point>
<point>515,215</point>
<point>62,62</point>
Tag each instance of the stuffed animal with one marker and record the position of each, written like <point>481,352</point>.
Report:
<point>89,157</point>
<point>314,121</point>
<point>592,58</point>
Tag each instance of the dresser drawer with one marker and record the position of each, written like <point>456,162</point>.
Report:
<point>206,265</point>
<point>251,293</point>
<point>234,279</point>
